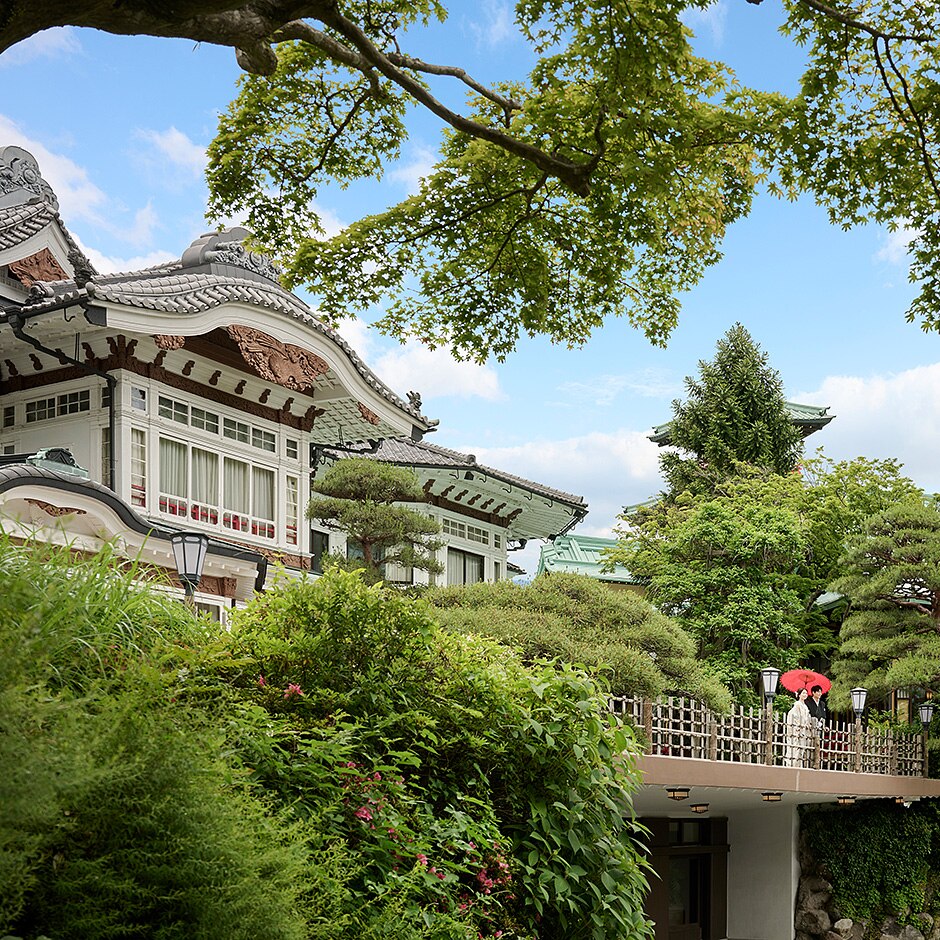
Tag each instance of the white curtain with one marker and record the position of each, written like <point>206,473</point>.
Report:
<point>237,486</point>
<point>173,468</point>
<point>205,477</point>
<point>463,567</point>
<point>263,485</point>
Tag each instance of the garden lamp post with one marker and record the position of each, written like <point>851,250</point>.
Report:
<point>768,681</point>
<point>859,698</point>
<point>925,710</point>
<point>189,552</point>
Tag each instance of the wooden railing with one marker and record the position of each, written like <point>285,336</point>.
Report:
<point>682,727</point>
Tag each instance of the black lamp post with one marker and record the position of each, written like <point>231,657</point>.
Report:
<point>189,551</point>
<point>925,711</point>
<point>768,681</point>
<point>859,698</point>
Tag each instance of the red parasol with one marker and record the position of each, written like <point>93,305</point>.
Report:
<point>797,679</point>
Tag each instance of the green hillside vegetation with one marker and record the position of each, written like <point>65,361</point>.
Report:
<point>616,635</point>
<point>337,767</point>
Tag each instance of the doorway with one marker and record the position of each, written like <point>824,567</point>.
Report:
<point>688,890</point>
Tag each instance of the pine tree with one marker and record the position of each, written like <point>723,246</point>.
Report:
<point>735,413</point>
<point>891,637</point>
<point>358,496</point>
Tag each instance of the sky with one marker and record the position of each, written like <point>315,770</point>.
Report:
<point>120,126</point>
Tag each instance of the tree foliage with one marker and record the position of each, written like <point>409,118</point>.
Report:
<point>601,183</point>
<point>336,767</point>
<point>358,496</point>
<point>734,413</point>
<point>741,566</point>
<point>891,636</point>
<point>618,636</point>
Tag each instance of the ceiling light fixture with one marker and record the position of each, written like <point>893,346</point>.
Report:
<point>677,793</point>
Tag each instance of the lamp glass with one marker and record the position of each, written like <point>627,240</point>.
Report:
<point>859,698</point>
<point>189,552</point>
<point>925,710</point>
<point>771,796</point>
<point>846,801</point>
<point>699,808</point>
<point>677,793</point>
<point>768,681</point>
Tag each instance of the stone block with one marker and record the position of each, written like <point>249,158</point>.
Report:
<point>814,922</point>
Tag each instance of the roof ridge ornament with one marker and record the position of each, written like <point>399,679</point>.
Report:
<point>21,183</point>
<point>226,247</point>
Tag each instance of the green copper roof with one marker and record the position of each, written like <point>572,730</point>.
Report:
<point>808,418</point>
<point>580,554</point>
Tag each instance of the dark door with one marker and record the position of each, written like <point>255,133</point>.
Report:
<point>688,889</point>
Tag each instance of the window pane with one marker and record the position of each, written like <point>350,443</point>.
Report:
<point>237,486</point>
<point>173,467</point>
<point>138,467</point>
<point>263,484</point>
<point>205,476</point>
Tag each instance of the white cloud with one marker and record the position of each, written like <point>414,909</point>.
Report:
<point>895,245</point>
<point>175,149</point>
<point>881,416</point>
<point>79,198</point>
<point>57,42</point>
<point>496,25</point>
<point>111,265</point>
<point>436,374</point>
<point>712,19</point>
<point>411,173</point>
<point>603,390</point>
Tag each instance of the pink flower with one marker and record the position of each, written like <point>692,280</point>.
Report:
<point>364,813</point>
<point>261,682</point>
<point>293,690</point>
<point>422,859</point>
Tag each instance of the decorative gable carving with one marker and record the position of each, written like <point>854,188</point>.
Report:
<point>42,266</point>
<point>20,180</point>
<point>367,414</point>
<point>281,363</point>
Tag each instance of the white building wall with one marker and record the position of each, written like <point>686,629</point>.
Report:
<point>763,872</point>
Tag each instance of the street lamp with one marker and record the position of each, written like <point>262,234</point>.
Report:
<point>189,552</point>
<point>768,681</point>
<point>859,698</point>
<point>925,710</point>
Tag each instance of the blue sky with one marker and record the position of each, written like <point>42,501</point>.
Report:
<point>120,126</point>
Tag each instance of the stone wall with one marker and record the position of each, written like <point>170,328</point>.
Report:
<point>818,918</point>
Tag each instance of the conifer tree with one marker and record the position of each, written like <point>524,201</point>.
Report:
<point>359,496</point>
<point>735,413</point>
<point>891,636</point>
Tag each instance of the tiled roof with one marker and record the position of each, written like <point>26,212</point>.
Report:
<point>581,554</point>
<point>419,454</point>
<point>808,418</point>
<point>176,288</point>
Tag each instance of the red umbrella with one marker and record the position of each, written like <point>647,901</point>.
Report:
<point>797,679</point>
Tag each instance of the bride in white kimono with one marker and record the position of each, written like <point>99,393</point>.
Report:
<point>799,732</point>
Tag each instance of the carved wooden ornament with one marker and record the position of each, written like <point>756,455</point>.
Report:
<point>55,511</point>
<point>282,363</point>
<point>367,414</point>
<point>169,342</point>
<point>41,266</point>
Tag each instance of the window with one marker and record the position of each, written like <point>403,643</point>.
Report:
<point>236,431</point>
<point>264,440</point>
<point>497,540</point>
<point>8,449</point>
<point>174,410</point>
<point>291,449</point>
<point>138,467</point>
<point>58,407</point>
<point>174,477</point>
<point>138,399</point>
<point>319,546</point>
<point>463,567</point>
<point>204,420</point>
<point>497,571</point>
<point>106,457</point>
<point>262,501</point>
<point>291,505</point>
<point>205,486</point>
<point>476,534</point>
<point>9,416</point>
<point>106,397</point>
<point>236,496</point>
<point>449,527</point>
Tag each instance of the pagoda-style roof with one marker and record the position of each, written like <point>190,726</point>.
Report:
<point>581,554</point>
<point>219,305</point>
<point>808,418</point>
<point>457,481</point>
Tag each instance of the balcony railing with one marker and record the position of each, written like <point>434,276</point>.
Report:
<point>681,727</point>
